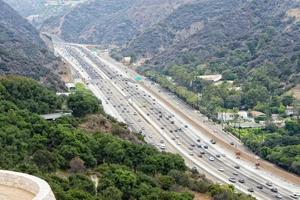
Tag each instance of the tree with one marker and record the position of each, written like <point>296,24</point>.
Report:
<point>287,100</point>
<point>233,101</point>
<point>45,160</point>
<point>82,103</point>
<point>111,193</point>
<point>166,182</point>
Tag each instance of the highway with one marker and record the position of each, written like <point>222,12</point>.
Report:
<point>129,101</point>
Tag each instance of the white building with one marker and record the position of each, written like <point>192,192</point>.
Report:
<point>213,78</point>
<point>229,116</point>
<point>289,110</point>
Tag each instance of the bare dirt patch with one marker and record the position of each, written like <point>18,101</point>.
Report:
<point>295,13</point>
<point>100,124</point>
<point>295,91</point>
<point>199,196</point>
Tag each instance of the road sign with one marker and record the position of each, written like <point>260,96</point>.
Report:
<point>138,78</point>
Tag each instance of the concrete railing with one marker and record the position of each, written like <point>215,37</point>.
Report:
<point>38,187</point>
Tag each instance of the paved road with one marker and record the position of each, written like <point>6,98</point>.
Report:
<point>164,128</point>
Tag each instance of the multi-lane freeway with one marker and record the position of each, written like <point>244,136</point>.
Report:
<point>165,127</point>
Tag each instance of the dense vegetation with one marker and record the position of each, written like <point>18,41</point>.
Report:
<point>278,145</point>
<point>23,52</point>
<point>66,156</point>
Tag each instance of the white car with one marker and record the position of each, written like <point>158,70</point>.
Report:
<point>221,169</point>
<point>211,158</point>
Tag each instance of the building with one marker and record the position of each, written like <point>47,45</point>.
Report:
<point>225,116</point>
<point>229,116</point>
<point>126,60</point>
<point>213,78</point>
<point>55,116</point>
<point>71,86</point>
<point>289,111</point>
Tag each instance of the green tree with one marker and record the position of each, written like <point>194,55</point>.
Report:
<point>82,103</point>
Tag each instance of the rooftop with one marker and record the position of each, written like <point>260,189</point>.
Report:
<point>214,78</point>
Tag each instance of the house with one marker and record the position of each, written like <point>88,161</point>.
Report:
<point>289,111</point>
<point>62,93</point>
<point>229,116</point>
<point>126,60</point>
<point>225,116</point>
<point>71,86</point>
<point>213,78</point>
<point>54,116</point>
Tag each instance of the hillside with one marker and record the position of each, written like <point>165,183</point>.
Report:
<point>226,35</point>
<point>71,159</point>
<point>22,51</point>
<point>26,7</point>
<point>110,22</point>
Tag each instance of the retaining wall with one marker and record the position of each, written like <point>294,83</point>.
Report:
<point>32,184</point>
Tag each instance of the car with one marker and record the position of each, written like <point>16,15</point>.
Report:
<point>171,131</point>
<point>199,146</point>
<point>198,140</point>
<point>294,196</point>
<point>237,166</point>
<point>211,158</point>
<point>218,156</point>
<point>172,122</point>
<point>186,126</point>
<point>221,169</point>
<point>202,152</point>
<point>161,141</point>
<point>274,189</point>
<point>241,180</point>
<point>260,187</point>
<point>235,173</point>
<point>162,128</point>
<point>191,148</point>
<point>176,136</point>
<point>150,136</point>
<point>232,179</point>
<point>279,196</point>
<point>200,155</point>
<point>269,183</point>
<point>191,153</point>
<point>205,147</point>
<point>250,189</point>
<point>178,143</point>
<point>231,143</point>
<point>213,141</point>
<point>192,145</point>
<point>173,138</point>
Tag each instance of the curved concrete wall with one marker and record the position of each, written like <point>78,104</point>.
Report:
<point>32,184</point>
